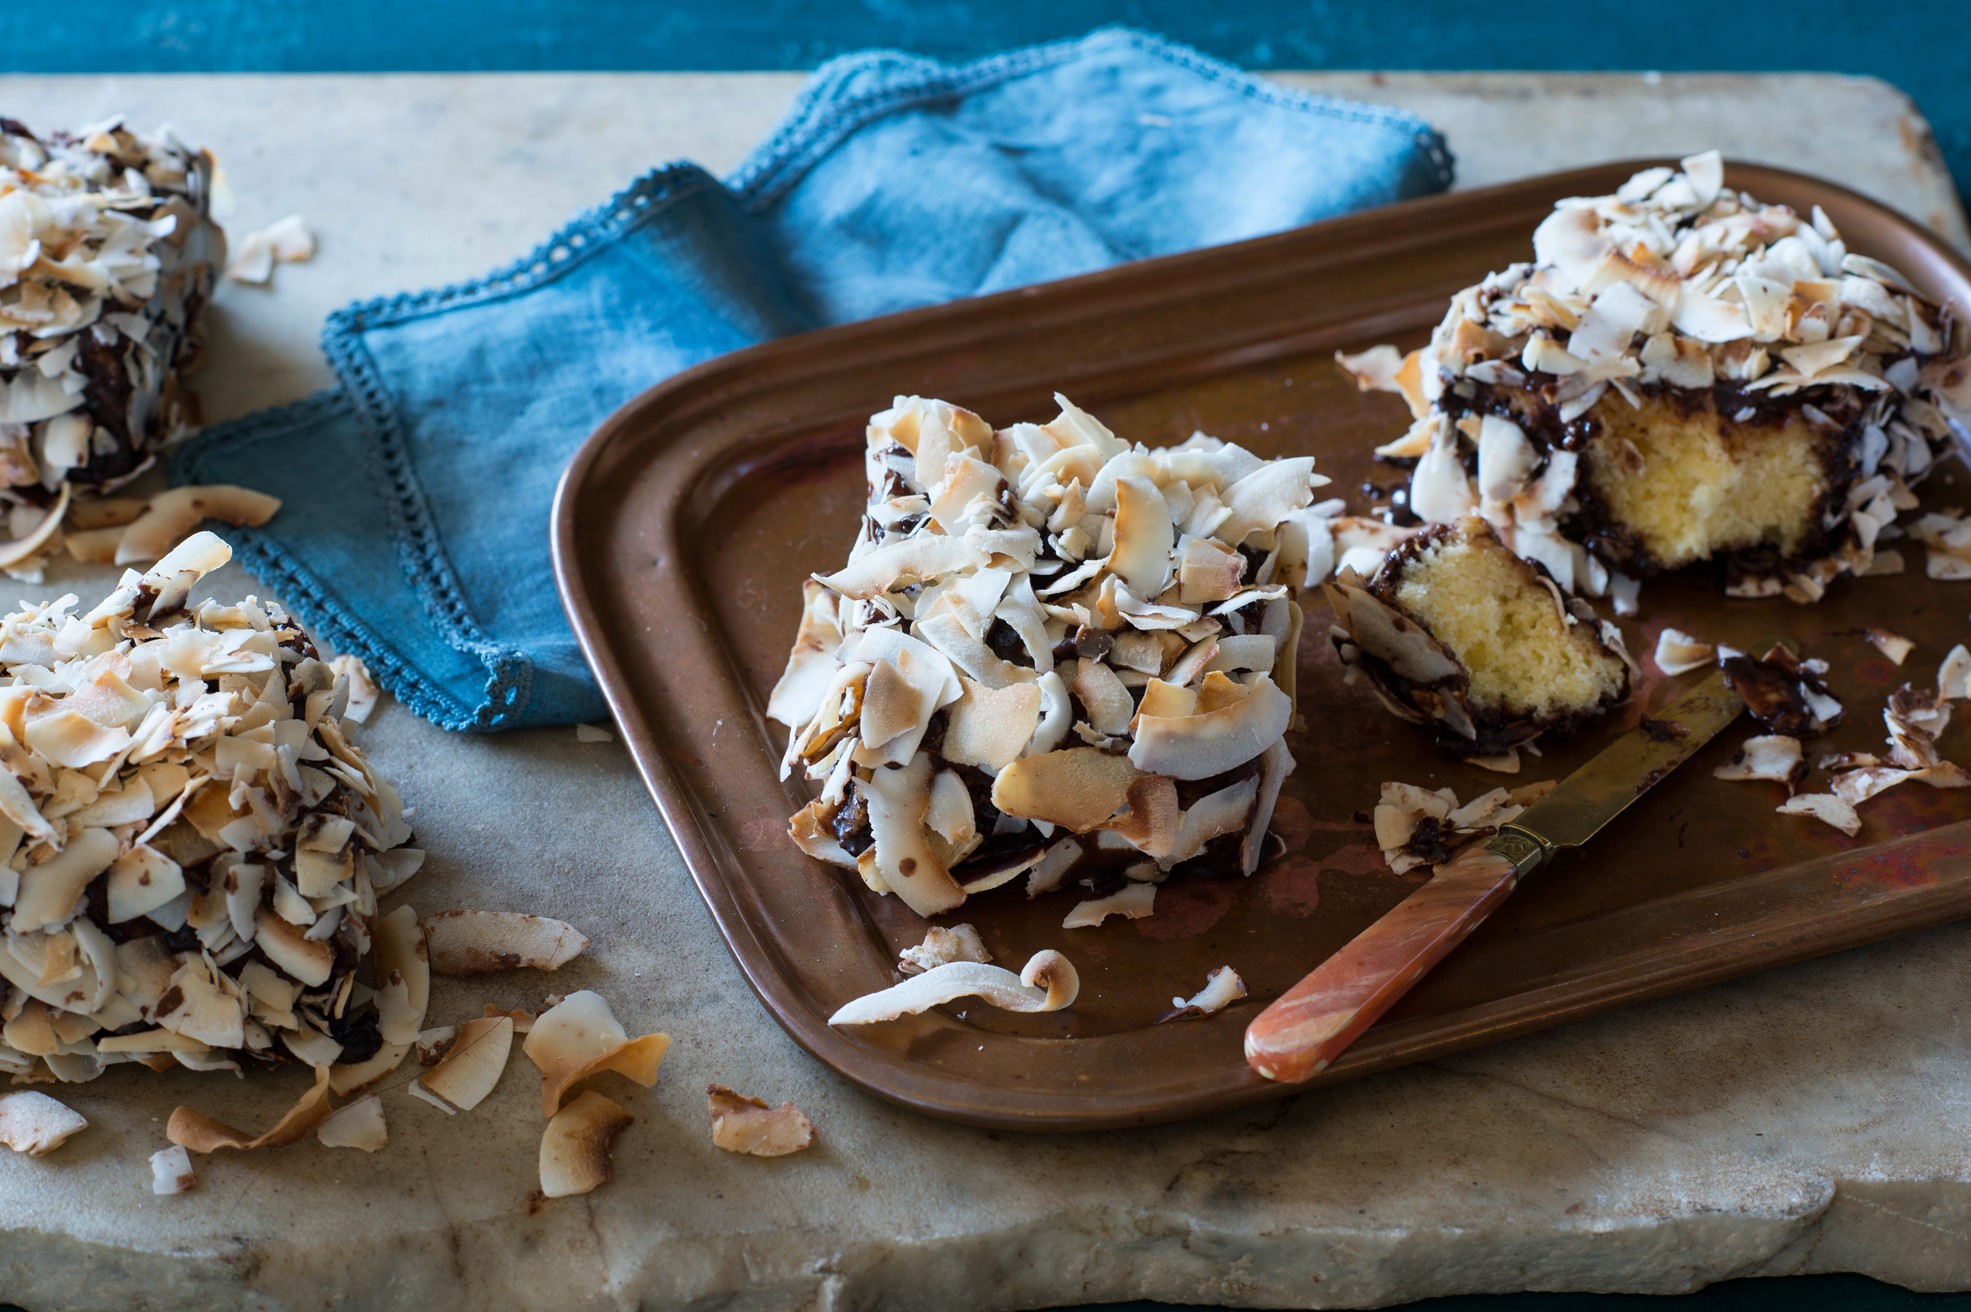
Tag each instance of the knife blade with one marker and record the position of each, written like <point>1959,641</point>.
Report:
<point>1303,1030</point>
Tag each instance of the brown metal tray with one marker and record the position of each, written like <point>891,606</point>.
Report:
<point>686,523</point>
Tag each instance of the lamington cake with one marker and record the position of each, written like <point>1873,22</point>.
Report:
<point>1682,374</point>
<point>108,255</point>
<point>1050,652</point>
<point>191,848</point>
<point>1455,631</point>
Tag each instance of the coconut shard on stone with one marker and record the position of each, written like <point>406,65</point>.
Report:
<point>1455,631</point>
<point>1051,652</point>
<point>1682,375</point>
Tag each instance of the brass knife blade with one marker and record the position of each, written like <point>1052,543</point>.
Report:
<point>1595,794</point>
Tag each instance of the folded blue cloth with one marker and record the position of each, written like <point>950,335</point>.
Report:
<point>894,182</point>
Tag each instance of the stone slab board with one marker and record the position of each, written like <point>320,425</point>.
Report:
<point>1811,1119</point>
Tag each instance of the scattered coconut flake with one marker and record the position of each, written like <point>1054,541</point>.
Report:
<point>471,1065</point>
<point>1418,826</point>
<point>747,1125</point>
<point>1132,901</point>
<point>176,512</point>
<point>1783,692</point>
<point>33,1123</point>
<point>576,1148</point>
<point>171,1171</point>
<point>1777,758</point>
<point>284,241</point>
<point>1048,983</point>
<point>202,1134</point>
<point>1222,988</point>
<point>1679,653</point>
<point>1896,647</point>
<point>941,947</point>
<point>1954,675</point>
<point>360,1125</point>
<point>593,733</point>
<point>580,1037</point>
<point>1825,807</point>
<point>483,942</point>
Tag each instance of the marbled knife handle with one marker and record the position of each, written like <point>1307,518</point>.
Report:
<point>1310,1024</point>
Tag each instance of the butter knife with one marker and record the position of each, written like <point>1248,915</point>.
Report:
<point>1308,1026</point>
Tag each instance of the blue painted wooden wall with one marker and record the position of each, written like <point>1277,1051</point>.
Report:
<point>1923,46</point>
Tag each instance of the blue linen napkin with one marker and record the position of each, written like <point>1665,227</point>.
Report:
<point>894,182</point>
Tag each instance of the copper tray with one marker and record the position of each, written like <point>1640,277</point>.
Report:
<point>686,523</point>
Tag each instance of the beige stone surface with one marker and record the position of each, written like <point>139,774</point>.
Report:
<point>1809,1119</point>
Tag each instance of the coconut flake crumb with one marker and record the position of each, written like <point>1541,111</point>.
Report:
<point>33,1123</point>
<point>741,1124</point>
<point>171,1171</point>
<point>941,947</point>
<point>1776,757</point>
<point>579,1143</point>
<point>1132,901</point>
<point>1893,645</point>
<point>593,733</point>
<point>360,1125</point>
<point>1418,826</point>
<point>1679,653</point>
<point>1825,807</point>
<point>1222,988</point>
<point>284,241</point>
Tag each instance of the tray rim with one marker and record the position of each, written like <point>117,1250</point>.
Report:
<point>893,1077</point>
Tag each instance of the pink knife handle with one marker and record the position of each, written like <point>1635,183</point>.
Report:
<point>1311,1024</point>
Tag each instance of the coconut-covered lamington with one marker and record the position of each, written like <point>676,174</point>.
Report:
<point>1050,651</point>
<point>1682,374</point>
<point>108,255</point>
<point>1455,631</point>
<point>191,849</point>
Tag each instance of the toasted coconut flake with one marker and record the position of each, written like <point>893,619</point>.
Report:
<point>1210,742</point>
<point>1679,653</point>
<point>1954,675</point>
<point>175,513</point>
<point>33,1123</point>
<point>285,241</point>
<point>580,1037</point>
<point>484,942</point>
<point>473,1063</point>
<point>171,1171</point>
<point>1777,758</point>
<point>1048,983</point>
<point>1078,788</point>
<point>1825,807</point>
<point>747,1125</point>
<point>364,694</point>
<point>1222,988</point>
<point>1133,901</point>
<point>990,727</point>
<point>360,1125</point>
<point>941,947</point>
<point>202,1134</point>
<point>576,1148</point>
